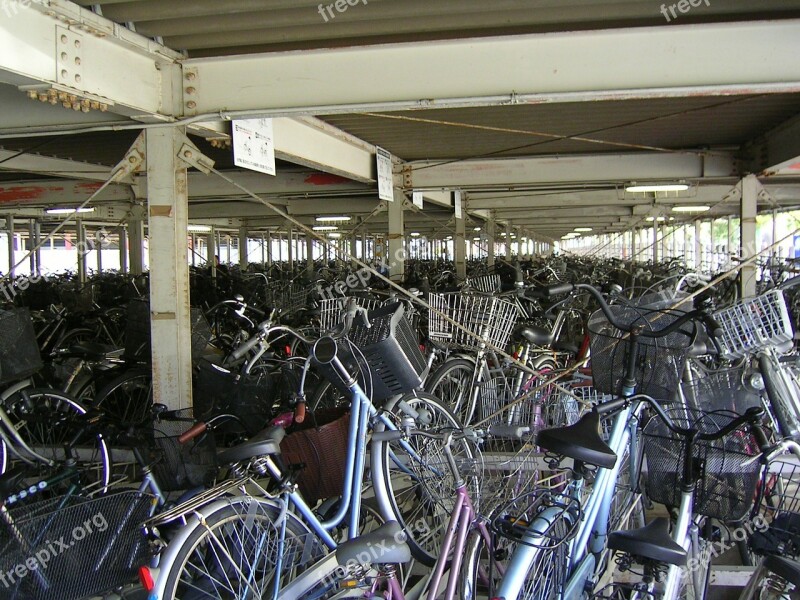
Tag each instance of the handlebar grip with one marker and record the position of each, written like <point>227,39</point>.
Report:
<point>246,347</point>
<point>192,432</point>
<point>715,330</point>
<point>300,412</point>
<point>390,435</point>
<point>558,289</point>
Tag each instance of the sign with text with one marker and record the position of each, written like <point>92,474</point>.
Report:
<point>385,181</point>
<point>253,145</point>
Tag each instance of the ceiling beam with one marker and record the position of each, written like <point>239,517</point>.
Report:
<point>681,60</point>
<point>539,170</point>
<point>778,151</point>
<point>11,160</point>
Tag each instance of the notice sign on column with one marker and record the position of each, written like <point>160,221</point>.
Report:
<point>416,198</point>
<point>385,182</point>
<point>253,145</point>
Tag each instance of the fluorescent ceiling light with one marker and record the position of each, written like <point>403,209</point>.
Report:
<point>691,208</point>
<point>477,229</point>
<point>414,234</point>
<point>333,219</point>
<point>69,211</point>
<point>334,235</point>
<point>657,187</point>
<point>198,228</point>
<point>325,228</point>
<point>476,239</point>
<point>583,229</point>
<point>651,219</point>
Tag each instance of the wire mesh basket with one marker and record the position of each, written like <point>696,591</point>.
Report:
<point>19,350</point>
<point>179,466</point>
<point>73,548</point>
<point>724,390</point>
<point>778,521</point>
<point>332,310</point>
<point>726,469</point>
<point>487,284</point>
<point>77,299</point>
<point>319,446</point>
<point>660,360</point>
<point>287,297</point>
<point>218,390</point>
<point>484,319</point>
<point>754,324</point>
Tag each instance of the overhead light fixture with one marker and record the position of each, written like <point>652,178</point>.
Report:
<point>656,187</point>
<point>414,234</point>
<point>334,235</point>
<point>691,208</point>
<point>651,219</point>
<point>69,211</point>
<point>325,228</point>
<point>198,228</point>
<point>476,239</point>
<point>333,219</point>
<point>477,229</point>
<point>583,229</point>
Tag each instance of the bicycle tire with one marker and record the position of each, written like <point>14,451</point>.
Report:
<point>452,384</point>
<point>199,570</point>
<point>128,398</point>
<point>410,492</point>
<point>46,420</point>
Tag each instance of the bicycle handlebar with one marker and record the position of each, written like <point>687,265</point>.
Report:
<point>710,323</point>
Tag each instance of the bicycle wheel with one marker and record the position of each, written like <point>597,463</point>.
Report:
<point>452,383</point>
<point>234,553</point>
<point>327,396</point>
<point>47,420</point>
<point>128,398</point>
<point>412,482</point>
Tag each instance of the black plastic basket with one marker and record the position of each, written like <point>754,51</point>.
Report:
<point>137,331</point>
<point>661,360</point>
<point>79,550</point>
<point>179,466</point>
<point>390,350</point>
<point>727,472</point>
<point>725,390</point>
<point>218,390</point>
<point>19,350</point>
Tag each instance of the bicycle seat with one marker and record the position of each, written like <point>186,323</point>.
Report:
<point>783,567</point>
<point>384,546</point>
<point>538,336</point>
<point>651,541</point>
<point>580,441</point>
<point>262,444</point>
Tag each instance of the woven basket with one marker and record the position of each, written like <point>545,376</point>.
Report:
<point>321,451</point>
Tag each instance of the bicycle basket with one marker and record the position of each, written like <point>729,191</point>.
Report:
<point>661,360</point>
<point>779,530</point>
<point>724,390</point>
<point>77,299</point>
<point>754,324</point>
<point>320,446</point>
<point>179,466</point>
<point>19,350</point>
<point>332,310</point>
<point>727,475</point>
<point>487,284</point>
<point>79,550</point>
<point>484,319</point>
<point>218,390</point>
<point>389,347</point>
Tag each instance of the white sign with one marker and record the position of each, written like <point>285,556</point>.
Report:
<point>416,198</point>
<point>253,145</point>
<point>457,203</point>
<point>385,181</point>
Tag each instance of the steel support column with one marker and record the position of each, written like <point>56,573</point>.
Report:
<point>309,255</point>
<point>747,227</point>
<point>10,232</point>
<point>80,236</point>
<point>243,249</point>
<point>396,255</point>
<point>136,246</point>
<point>460,249</point>
<point>170,324</point>
<point>491,232</point>
<point>123,249</point>
<point>212,252</point>
<point>698,248</point>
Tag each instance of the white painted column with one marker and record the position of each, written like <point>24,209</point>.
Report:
<point>170,325</point>
<point>243,262</point>
<point>309,255</point>
<point>123,249</point>
<point>747,247</point>
<point>491,233</point>
<point>395,256</point>
<point>698,248</point>
<point>10,233</point>
<point>80,244</point>
<point>213,252</point>
<point>460,248</point>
